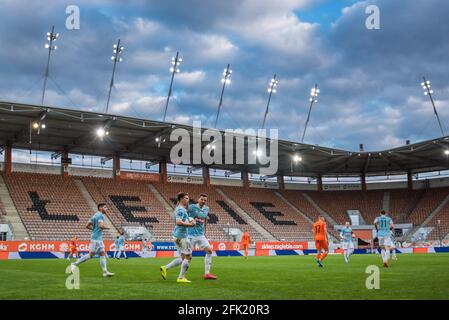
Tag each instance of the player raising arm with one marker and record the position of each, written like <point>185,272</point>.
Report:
<point>96,225</point>
<point>180,237</point>
<point>384,225</point>
<point>321,243</point>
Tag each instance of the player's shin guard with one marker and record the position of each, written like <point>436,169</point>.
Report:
<point>207,262</point>
<point>82,259</point>
<point>174,263</point>
<point>184,268</point>
<point>103,263</point>
<point>323,256</point>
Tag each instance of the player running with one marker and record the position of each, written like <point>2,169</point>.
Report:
<point>245,243</point>
<point>96,246</point>
<point>200,212</point>
<point>384,225</point>
<point>321,243</point>
<point>180,237</point>
<point>393,246</point>
<point>121,247</point>
<point>73,248</point>
<point>116,244</point>
<point>347,236</point>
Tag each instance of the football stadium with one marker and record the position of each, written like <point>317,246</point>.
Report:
<point>99,201</point>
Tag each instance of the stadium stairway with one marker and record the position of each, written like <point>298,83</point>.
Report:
<point>429,218</point>
<point>296,210</point>
<point>90,201</point>
<point>161,199</point>
<point>12,215</point>
<point>267,235</point>
<point>321,211</point>
<point>386,201</point>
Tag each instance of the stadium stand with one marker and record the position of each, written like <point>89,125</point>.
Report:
<point>50,206</point>
<point>336,203</point>
<point>428,202</point>
<point>272,213</point>
<point>131,203</point>
<point>221,213</point>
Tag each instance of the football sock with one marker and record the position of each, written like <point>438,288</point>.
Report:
<point>207,263</point>
<point>174,263</point>
<point>82,259</point>
<point>103,263</point>
<point>184,268</point>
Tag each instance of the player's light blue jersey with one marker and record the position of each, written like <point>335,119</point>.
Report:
<point>97,233</point>
<point>346,234</point>
<point>200,215</point>
<point>180,214</point>
<point>383,226</point>
<point>121,241</point>
<point>117,243</point>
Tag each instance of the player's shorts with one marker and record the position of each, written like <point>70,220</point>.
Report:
<point>121,248</point>
<point>347,245</point>
<point>321,244</point>
<point>245,246</point>
<point>385,241</point>
<point>96,246</point>
<point>183,245</point>
<point>199,241</point>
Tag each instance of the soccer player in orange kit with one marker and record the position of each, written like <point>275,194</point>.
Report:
<point>73,248</point>
<point>321,243</point>
<point>245,243</point>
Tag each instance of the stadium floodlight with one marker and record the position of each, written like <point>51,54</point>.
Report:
<point>314,92</point>
<point>175,62</point>
<point>297,158</point>
<point>272,88</point>
<point>101,132</point>
<point>428,92</point>
<point>225,80</point>
<point>446,152</point>
<point>51,37</point>
<point>117,50</point>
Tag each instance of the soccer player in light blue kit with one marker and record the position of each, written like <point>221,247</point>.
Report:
<point>347,236</point>
<point>116,244</point>
<point>384,225</point>
<point>121,246</point>
<point>96,246</point>
<point>180,238</point>
<point>197,237</point>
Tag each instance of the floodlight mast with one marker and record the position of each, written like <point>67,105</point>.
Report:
<point>176,61</point>
<point>428,92</point>
<point>271,89</point>
<point>116,50</point>
<point>51,37</point>
<point>313,99</point>
<point>225,80</point>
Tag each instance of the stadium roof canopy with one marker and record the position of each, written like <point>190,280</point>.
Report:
<point>133,138</point>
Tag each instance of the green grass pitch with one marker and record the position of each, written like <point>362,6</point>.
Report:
<point>279,277</point>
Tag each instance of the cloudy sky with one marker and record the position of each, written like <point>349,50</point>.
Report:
<point>369,79</point>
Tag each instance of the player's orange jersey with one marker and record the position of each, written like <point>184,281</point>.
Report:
<point>319,230</point>
<point>245,238</point>
<point>73,245</point>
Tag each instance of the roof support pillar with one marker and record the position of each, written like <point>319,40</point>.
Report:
<point>319,181</point>
<point>163,172</point>
<point>8,159</point>
<point>363,181</point>
<point>116,167</point>
<point>206,176</point>
<point>245,179</point>
<point>409,180</point>
<point>281,183</point>
<point>64,166</point>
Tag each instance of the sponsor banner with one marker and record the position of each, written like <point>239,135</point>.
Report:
<point>151,177</point>
<point>341,187</point>
<point>281,245</point>
<point>59,246</point>
<point>264,184</point>
<point>185,179</point>
<point>224,246</point>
